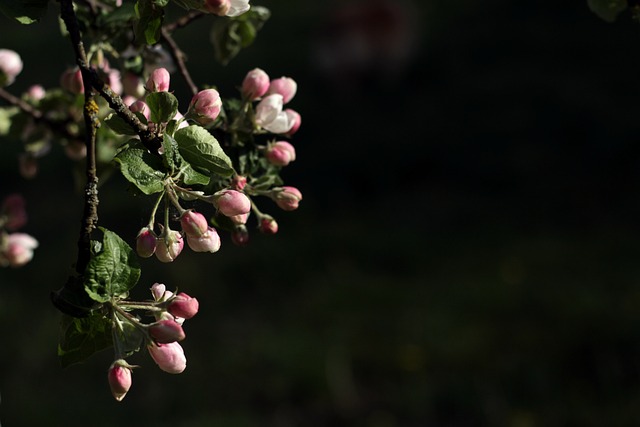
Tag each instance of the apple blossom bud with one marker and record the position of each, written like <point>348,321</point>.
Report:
<point>36,93</point>
<point>239,219</point>
<point>238,182</point>
<point>285,86</point>
<point>268,225</point>
<point>18,249</point>
<point>140,107</point>
<point>10,66</point>
<point>146,242</point>
<point>71,80</point>
<point>114,81</point>
<point>287,198</point>
<point>183,306</point>
<point>231,202</point>
<point>158,290</point>
<point>170,245</point>
<point>205,106</point>
<point>217,7</point>
<point>208,242</point>
<point>13,212</point>
<point>255,84</point>
<point>280,153</point>
<point>194,223</point>
<point>169,357</point>
<point>166,331</point>
<point>294,119</point>
<point>119,378</point>
<point>240,236</point>
<point>158,80</point>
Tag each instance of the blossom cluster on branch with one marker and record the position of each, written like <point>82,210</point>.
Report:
<point>204,164</point>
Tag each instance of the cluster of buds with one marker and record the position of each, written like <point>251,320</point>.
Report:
<point>161,337</point>
<point>16,249</point>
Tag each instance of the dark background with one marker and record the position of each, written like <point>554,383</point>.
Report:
<point>465,253</point>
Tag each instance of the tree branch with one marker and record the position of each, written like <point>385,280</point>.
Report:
<point>183,21</point>
<point>178,56</point>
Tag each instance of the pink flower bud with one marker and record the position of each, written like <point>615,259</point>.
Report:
<point>10,66</point>
<point>285,86</point>
<point>158,290</point>
<point>71,80</point>
<point>239,219</point>
<point>268,225</point>
<point>18,249</point>
<point>158,80</point>
<point>205,106</point>
<point>294,119</point>
<point>13,212</point>
<point>146,242</point>
<point>231,202</point>
<point>114,81</point>
<point>36,93</point>
<point>169,246</point>
<point>208,242</point>
<point>217,7</point>
<point>166,331</point>
<point>240,236</point>
<point>280,153</point>
<point>193,223</point>
<point>119,378</point>
<point>238,182</point>
<point>169,357</point>
<point>183,306</point>
<point>255,84</point>
<point>140,107</point>
<point>287,198</point>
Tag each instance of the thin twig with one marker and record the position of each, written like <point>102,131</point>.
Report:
<point>183,21</point>
<point>178,56</point>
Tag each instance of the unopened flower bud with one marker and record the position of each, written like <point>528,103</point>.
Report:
<point>170,245</point>
<point>114,81</point>
<point>238,182</point>
<point>231,202</point>
<point>10,66</point>
<point>36,93</point>
<point>285,86</point>
<point>240,236</point>
<point>13,212</point>
<point>146,242</point>
<point>193,223</point>
<point>166,331</point>
<point>294,119</point>
<point>119,378</point>
<point>268,225</point>
<point>158,80</point>
<point>205,106</point>
<point>18,249</point>
<point>287,198</point>
<point>255,84</point>
<point>208,242</point>
<point>140,107</point>
<point>71,80</point>
<point>217,7</point>
<point>169,357</point>
<point>158,290</point>
<point>280,153</point>
<point>239,219</point>
<point>183,306</point>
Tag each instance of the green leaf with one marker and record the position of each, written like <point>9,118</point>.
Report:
<point>190,176</point>
<point>608,10</point>
<point>170,148</point>
<point>150,17</point>
<point>198,147</point>
<point>80,338</point>
<point>162,105</point>
<point>113,268</point>
<point>229,36</point>
<point>265,182</point>
<point>6,116</point>
<point>118,125</point>
<point>141,168</point>
<point>130,338</point>
<point>24,11</point>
